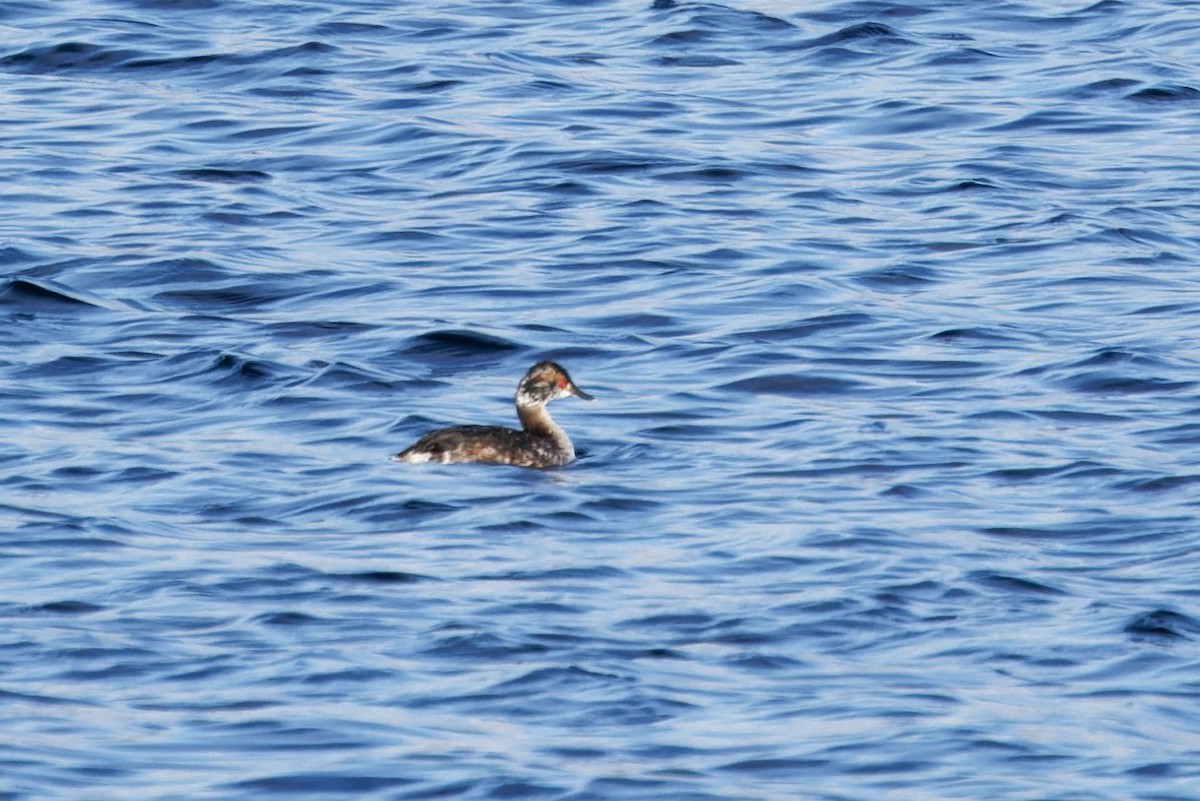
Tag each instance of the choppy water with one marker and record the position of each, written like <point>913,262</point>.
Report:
<point>892,311</point>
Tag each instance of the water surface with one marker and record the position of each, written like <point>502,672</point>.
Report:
<point>890,490</point>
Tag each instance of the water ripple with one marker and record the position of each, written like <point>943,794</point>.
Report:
<point>887,308</point>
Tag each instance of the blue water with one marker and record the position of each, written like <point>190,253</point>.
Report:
<point>892,486</point>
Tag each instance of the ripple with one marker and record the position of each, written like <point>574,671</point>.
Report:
<point>223,175</point>
<point>462,345</point>
<point>338,782</point>
<point>863,30</point>
<point>68,608</point>
<point>1166,94</point>
<point>1160,484</point>
<point>1015,584</point>
<point>1163,624</point>
<point>792,385</point>
<point>891,307</point>
<point>66,56</point>
<point>42,296</point>
<point>781,767</point>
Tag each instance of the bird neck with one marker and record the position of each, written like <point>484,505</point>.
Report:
<point>537,421</point>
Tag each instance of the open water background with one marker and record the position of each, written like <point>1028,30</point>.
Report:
<point>891,490</point>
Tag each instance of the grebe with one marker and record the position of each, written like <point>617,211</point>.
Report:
<point>542,443</point>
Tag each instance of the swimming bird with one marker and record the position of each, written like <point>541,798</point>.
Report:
<point>540,443</point>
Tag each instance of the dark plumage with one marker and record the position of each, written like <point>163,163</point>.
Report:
<point>541,443</point>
